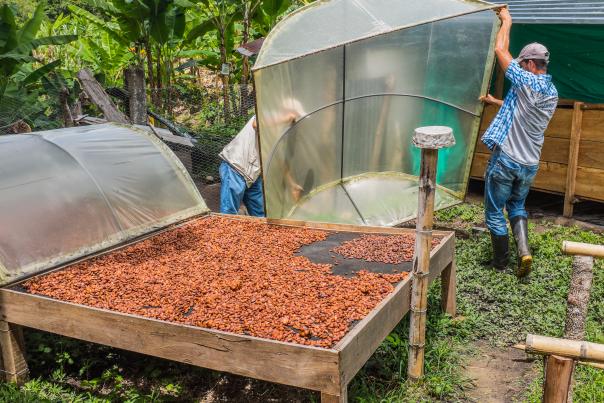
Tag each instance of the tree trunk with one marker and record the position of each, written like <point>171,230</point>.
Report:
<point>158,78</point>
<point>578,301</point>
<point>578,297</point>
<point>150,77</point>
<point>137,98</point>
<point>224,77</point>
<point>65,110</point>
<point>245,69</point>
<point>99,97</point>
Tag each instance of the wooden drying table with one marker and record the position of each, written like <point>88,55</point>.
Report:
<point>328,370</point>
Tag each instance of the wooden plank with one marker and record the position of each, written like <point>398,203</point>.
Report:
<point>593,126</point>
<point>358,345</point>
<point>551,176</point>
<point>274,361</point>
<point>345,227</point>
<point>558,127</point>
<point>597,107</point>
<point>554,150</point>
<point>12,361</point>
<point>97,94</point>
<point>448,289</point>
<point>573,158</point>
<point>591,154</point>
<point>558,375</point>
<point>590,183</point>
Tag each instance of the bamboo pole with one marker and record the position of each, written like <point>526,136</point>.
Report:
<point>576,349</point>
<point>579,248</point>
<point>558,375</point>
<point>429,140</point>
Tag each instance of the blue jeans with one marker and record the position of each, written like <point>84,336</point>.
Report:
<point>507,184</point>
<point>234,190</point>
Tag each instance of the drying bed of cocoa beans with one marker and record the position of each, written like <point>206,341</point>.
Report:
<point>239,276</point>
<point>390,249</point>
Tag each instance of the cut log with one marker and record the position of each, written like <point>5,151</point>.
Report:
<point>578,297</point>
<point>99,97</point>
<point>558,373</point>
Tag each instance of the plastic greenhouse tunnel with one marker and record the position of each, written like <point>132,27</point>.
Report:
<point>342,84</point>
<point>68,193</point>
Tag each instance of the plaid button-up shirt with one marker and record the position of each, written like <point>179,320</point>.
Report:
<point>501,125</point>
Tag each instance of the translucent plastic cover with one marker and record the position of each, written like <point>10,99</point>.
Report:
<point>327,24</point>
<point>336,126</point>
<point>70,192</point>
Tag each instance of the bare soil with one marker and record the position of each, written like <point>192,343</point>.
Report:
<point>500,375</point>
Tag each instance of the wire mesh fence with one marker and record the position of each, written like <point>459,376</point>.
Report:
<point>196,122</point>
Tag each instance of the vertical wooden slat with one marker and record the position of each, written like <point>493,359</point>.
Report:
<point>573,157</point>
<point>342,398</point>
<point>13,362</point>
<point>448,290</point>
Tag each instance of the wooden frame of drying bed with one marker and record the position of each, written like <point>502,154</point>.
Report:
<point>328,370</point>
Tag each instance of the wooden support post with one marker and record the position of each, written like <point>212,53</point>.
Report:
<point>573,157</point>
<point>12,345</point>
<point>448,290</point>
<point>558,374</point>
<point>134,78</point>
<point>342,398</point>
<point>429,139</point>
<point>99,97</point>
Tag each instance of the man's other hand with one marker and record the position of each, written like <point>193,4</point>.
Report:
<point>489,99</point>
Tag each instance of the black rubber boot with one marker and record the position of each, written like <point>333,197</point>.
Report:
<point>501,253</point>
<point>525,259</point>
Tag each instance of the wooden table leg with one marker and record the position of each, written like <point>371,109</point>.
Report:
<point>448,289</point>
<point>342,398</point>
<point>12,345</point>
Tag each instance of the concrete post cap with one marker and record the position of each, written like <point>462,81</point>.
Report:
<point>433,137</point>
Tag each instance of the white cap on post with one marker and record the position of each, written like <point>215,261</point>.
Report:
<point>433,137</point>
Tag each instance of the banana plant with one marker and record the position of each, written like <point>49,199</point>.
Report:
<point>148,27</point>
<point>218,17</point>
<point>18,76</point>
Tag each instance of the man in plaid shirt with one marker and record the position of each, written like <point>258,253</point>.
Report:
<point>515,138</point>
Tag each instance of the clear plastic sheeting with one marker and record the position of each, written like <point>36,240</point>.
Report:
<point>327,24</point>
<point>70,192</point>
<point>341,86</point>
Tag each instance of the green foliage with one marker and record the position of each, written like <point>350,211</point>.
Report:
<point>462,213</point>
<point>20,71</point>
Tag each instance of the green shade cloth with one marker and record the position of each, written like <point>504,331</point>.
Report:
<point>576,57</point>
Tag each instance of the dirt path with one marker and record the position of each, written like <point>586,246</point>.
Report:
<point>500,375</point>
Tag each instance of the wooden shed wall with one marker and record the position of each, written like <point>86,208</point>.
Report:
<point>556,157</point>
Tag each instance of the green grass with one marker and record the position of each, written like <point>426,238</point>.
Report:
<point>492,306</point>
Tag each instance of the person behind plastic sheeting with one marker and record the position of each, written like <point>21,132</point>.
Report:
<point>516,137</point>
<point>240,173</point>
